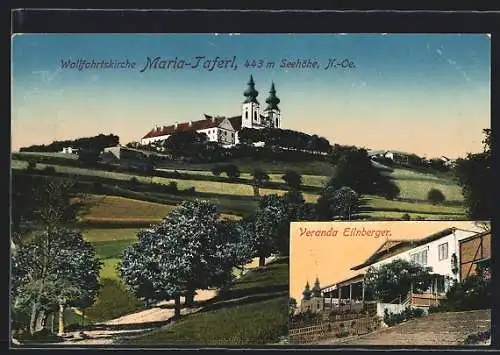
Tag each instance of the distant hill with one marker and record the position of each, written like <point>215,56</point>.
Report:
<point>98,143</point>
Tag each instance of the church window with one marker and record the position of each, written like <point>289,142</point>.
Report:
<point>246,114</point>
<point>255,116</point>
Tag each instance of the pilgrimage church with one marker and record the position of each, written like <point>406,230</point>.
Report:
<point>224,130</point>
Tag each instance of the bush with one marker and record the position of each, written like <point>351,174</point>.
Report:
<point>472,293</point>
<point>405,217</point>
<point>232,171</point>
<point>217,170</point>
<point>31,165</point>
<point>343,331</point>
<point>190,190</point>
<point>395,318</point>
<point>435,196</point>
<point>49,170</point>
<point>113,301</point>
<point>172,187</point>
<point>436,309</point>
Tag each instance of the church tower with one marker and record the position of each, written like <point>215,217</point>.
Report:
<point>250,115</point>
<point>272,110</point>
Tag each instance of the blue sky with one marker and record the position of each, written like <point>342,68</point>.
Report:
<point>409,90</point>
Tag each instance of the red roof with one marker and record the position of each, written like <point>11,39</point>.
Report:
<point>208,122</point>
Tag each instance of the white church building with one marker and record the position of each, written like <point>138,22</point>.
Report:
<point>224,130</point>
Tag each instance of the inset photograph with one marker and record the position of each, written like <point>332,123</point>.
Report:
<point>390,283</point>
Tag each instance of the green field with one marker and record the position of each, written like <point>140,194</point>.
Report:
<point>247,165</point>
<point>49,154</point>
<point>413,185</point>
<point>308,180</point>
<point>109,245</point>
<point>253,311</point>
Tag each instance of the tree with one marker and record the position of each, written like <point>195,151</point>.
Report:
<point>435,196</point>
<point>292,178</point>
<point>47,209</point>
<point>184,142</point>
<point>232,171</point>
<point>259,177</point>
<point>236,249</point>
<point>474,175</point>
<point>292,307</point>
<point>395,279</point>
<point>353,168</point>
<point>57,268</point>
<point>89,156</point>
<point>217,170</point>
<point>337,203</point>
<point>295,209</point>
<point>187,251</point>
<point>269,216</point>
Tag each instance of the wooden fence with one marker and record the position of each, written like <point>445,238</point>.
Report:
<point>312,334</point>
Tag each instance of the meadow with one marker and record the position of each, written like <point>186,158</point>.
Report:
<point>252,311</point>
<point>112,222</point>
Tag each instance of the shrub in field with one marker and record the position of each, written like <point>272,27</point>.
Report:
<point>405,217</point>
<point>49,170</point>
<point>113,301</point>
<point>172,187</point>
<point>217,170</point>
<point>31,165</point>
<point>190,190</point>
<point>435,196</point>
<point>232,171</point>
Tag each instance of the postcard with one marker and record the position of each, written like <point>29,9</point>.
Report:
<point>157,179</point>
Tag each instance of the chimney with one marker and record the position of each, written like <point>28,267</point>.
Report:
<point>213,118</point>
<point>190,123</point>
<point>176,124</point>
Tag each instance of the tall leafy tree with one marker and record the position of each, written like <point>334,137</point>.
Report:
<point>293,179</point>
<point>55,269</point>
<point>295,209</point>
<point>395,279</point>
<point>187,251</point>
<point>41,207</point>
<point>353,168</point>
<point>475,176</point>
<point>269,216</point>
<point>259,177</point>
<point>339,203</point>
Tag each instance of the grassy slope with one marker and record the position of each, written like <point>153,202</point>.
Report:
<point>237,198</point>
<point>253,311</point>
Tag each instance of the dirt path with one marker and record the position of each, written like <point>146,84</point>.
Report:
<point>139,322</point>
<point>436,329</point>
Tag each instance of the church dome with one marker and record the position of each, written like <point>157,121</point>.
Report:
<point>272,100</point>
<point>250,93</point>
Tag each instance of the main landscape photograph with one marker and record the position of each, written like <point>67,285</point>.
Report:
<point>156,180</point>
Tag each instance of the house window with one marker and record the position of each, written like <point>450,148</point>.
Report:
<point>246,114</point>
<point>420,257</point>
<point>443,251</point>
<point>255,116</point>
